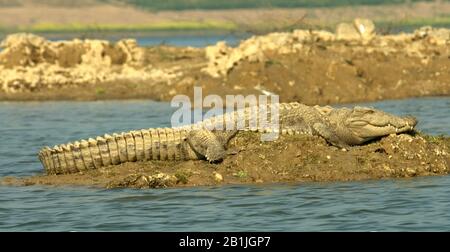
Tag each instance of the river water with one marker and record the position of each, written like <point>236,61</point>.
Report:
<point>417,204</point>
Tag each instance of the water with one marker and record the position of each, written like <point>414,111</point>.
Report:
<point>173,39</point>
<point>419,204</point>
<point>198,39</point>
<point>193,40</point>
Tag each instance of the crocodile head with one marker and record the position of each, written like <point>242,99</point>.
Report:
<point>362,124</point>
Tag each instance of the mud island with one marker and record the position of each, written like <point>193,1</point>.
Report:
<point>291,159</point>
<point>316,144</point>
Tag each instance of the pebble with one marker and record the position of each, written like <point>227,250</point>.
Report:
<point>411,171</point>
<point>218,177</point>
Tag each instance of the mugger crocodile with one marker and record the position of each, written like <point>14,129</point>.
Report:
<point>339,127</point>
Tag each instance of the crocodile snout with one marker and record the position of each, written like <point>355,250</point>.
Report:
<point>410,121</point>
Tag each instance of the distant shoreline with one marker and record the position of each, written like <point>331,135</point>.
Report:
<point>108,18</point>
<point>169,29</point>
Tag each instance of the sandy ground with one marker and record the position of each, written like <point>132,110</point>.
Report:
<point>291,159</point>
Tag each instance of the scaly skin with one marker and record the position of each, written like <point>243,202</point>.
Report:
<point>340,127</point>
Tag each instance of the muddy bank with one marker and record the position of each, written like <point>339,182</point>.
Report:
<point>313,67</point>
<point>296,159</point>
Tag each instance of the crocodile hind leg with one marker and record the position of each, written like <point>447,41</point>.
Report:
<point>210,145</point>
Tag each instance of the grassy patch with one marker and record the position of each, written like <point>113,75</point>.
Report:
<point>158,26</point>
<point>435,21</point>
<point>100,91</point>
<point>434,139</point>
<point>182,176</point>
<point>271,62</point>
<point>241,174</point>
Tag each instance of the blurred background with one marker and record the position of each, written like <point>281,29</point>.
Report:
<point>139,18</point>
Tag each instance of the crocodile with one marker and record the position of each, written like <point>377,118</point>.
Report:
<point>208,139</point>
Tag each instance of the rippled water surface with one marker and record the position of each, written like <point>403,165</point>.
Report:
<point>404,204</point>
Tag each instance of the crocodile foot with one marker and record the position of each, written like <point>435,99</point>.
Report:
<point>210,145</point>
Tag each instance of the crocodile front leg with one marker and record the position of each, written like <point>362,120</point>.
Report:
<point>329,135</point>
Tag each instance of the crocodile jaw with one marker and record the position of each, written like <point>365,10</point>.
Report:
<point>361,124</point>
<point>366,124</point>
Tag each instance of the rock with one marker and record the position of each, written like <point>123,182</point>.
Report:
<point>14,40</point>
<point>422,32</point>
<point>324,35</point>
<point>135,55</point>
<point>360,29</point>
<point>217,57</point>
<point>222,59</point>
<point>411,172</point>
<point>218,177</point>
<point>29,62</point>
<point>365,27</point>
<point>95,54</point>
<point>68,54</point>
<point>24,49</point>
<point>345,31</point>
<point>433,36</point>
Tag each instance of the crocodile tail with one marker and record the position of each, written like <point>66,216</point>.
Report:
<point>46,160</point>
<point>142,145</point>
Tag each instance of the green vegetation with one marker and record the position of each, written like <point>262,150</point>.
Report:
<point>271,62</point>
<point>183,176</point>
<point>159,26</point>
<point>231,4</point>
<point>100,91</point>
<point>241,174</point>
<point>258,26</point>
<point>433,139</point>
<point>408,25</point>
<point>435,21</point>
<point>209,26</point>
